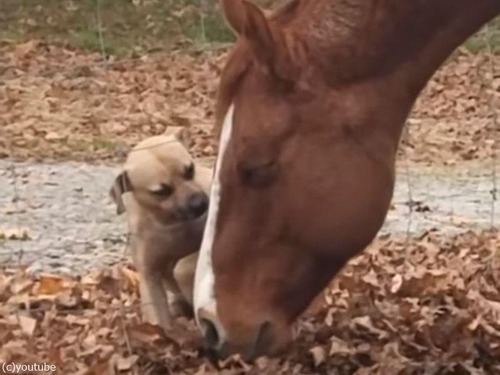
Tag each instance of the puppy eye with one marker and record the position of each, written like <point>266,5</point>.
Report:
<point>189,172</point>
<point>164,190</point>
<point>257,174</point>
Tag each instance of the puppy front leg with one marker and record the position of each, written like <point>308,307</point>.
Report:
<point>179,304</point>
<point>154,303</point>
<point>184,273</point>
<point>153,299</point>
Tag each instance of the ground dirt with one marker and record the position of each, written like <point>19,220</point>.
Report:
<point>62,206</point>
<point>423,299</point>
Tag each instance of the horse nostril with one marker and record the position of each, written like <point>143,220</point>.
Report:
<point>212,337</point>
<point>263,340</point>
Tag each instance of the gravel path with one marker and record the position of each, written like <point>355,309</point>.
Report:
<point>72,225</point>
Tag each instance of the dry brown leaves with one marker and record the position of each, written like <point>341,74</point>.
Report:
<point>431,306</point>
<point>456,117</point>
<point>57,103</point>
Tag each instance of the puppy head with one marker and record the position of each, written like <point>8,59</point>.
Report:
<point>162,177</point>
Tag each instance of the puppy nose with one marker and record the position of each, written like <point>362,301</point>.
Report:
<point>197,203</point>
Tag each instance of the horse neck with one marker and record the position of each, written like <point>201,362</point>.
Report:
<point>394,46</point>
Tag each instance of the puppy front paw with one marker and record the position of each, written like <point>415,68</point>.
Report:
<point>180,308</point>
<point>151,315</point>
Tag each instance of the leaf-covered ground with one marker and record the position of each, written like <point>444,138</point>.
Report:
<point>427,305</point>
<point>64,104</point>
<point>430,306</point>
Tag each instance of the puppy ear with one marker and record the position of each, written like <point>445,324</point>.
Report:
<point>179,132</point>
<point>120,186</point>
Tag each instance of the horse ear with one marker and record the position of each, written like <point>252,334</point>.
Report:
<point>249,21</point>
<point>234,13</point>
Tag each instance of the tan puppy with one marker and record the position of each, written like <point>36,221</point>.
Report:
<point>165,196</point>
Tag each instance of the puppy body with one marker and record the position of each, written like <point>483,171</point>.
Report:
<point>166,199</point>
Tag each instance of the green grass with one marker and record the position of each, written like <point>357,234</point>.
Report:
<point>121,27</point>
<point>92,144</point>
<point>133,27</point>
<point>488,38</point>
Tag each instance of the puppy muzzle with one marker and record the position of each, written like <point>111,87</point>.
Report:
<point>196,205</point>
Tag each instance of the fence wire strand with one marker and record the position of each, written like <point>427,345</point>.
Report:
<point>495,115</point>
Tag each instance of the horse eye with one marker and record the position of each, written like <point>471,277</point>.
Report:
<point>189,172</point>
<point>258,175</point>
<point>164,190</point>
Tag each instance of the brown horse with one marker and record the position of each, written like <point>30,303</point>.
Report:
<point>311,106</point>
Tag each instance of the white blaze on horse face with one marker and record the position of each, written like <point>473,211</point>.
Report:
<point>204,277</point>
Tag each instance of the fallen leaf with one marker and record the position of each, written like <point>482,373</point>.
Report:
<point>146,333</point>
<point>371,278</point>
<point>397,282</point>
<point>131,277</point>
<point>318,353</point>
<point>339,346</point>
<point>50,284</point>
<point>20,285</point>
<point>125,364</point>
<point>22,50</point>
<point>53,136</point>
<point>27,324</point>
<point>4,284</point>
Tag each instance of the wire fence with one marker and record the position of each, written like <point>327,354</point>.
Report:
<point>423,200</point>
